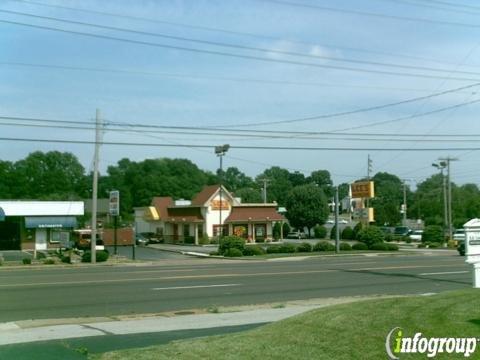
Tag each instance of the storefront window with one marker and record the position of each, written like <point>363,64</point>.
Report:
<point>240,230</point>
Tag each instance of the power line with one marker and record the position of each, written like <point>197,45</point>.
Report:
<point>472,7</point>
<point>238,147</point>
<point>235,55</point>
<point>231,32</point>
<point>240,136</point>
<point>298,133</point>
<point>241,47</point>
<point>356,111</point>
<point>371,14</point>
<point>203,77</point>
<point>432,6</point>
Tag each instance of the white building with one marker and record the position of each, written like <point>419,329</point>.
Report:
<point>37,224</point>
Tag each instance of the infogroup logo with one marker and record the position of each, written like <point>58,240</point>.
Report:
<point>429,346</point>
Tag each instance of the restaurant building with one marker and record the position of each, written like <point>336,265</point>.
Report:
<point>211,212</point>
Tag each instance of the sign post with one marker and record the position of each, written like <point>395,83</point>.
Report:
<point>472,248</point>
<point>114,207</point>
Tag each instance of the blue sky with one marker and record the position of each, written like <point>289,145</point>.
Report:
<point>182,88</point>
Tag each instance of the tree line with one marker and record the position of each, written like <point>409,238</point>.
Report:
<point>58,175</point>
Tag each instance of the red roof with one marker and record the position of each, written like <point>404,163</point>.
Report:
<point>254,213</point>
<point>187,214</point>
<point>207,192</point>
<point>161,204</point>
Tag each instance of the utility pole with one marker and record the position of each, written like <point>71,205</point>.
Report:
<point>448,160</point>
<point>93,238</point>
<point>337,230</point>
<point>404,203</point>
<point>264,190</point>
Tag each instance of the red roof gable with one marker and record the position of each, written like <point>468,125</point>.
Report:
<point>254,213</point>
<point>207,192</point>
<point>161,204</point>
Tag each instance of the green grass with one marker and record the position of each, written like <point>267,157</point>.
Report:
<point>349,331</point>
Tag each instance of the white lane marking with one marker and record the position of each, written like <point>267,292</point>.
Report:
<point>195,286</point>
<point>445,273</point>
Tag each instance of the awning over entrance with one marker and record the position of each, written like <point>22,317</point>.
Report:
<point>50,222</point>
<point>2,214</point>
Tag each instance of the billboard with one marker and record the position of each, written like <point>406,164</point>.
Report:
<point>362,189</point>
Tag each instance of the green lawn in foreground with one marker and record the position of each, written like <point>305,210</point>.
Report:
<point>350,331</point>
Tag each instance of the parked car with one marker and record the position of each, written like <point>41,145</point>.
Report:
<point>401,231</point>
<point>416,235</point>
<point>296,235</point>
<point>461,248</point>
<point>141,240</point>
<point>459,235</point>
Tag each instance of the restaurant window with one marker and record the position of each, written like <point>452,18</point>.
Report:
<point>217,229</point>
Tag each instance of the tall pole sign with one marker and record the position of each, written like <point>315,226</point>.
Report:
<point>114,209</point>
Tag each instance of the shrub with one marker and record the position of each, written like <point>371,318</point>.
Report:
<point>286,248</point>
<point>348,234</point>
<point>253,250</point>
<point>345,246</point>
<point>333,232</point>
<point>421,246</point>
<point>392,247</point>
<point>323,246</point>
<point>379,246</point>
<point>370,235</point>
<point>433,245</point>
<point>49,261</point>
<point>433,233</point>
<point>451,244</point>
<point>260,240</point>
<point>41,255</point>
<point>320,232</point>
<point>26,261</point>
<point>407,239</point>
<point>359,246</point>
<point>389,237</point>
<point>357,228</point>
<point>273,249</point>
<point>204,240</point>
<point>101,256</point>
<point>66,259</point>
<point>214,253</point>
<point>231,242</point>
<point>233,252</point>
<point>304,247</point>
<point>276,231</point>
<point>286,229</point>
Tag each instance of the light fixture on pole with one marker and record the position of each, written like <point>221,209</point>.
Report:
<point>220,151</point>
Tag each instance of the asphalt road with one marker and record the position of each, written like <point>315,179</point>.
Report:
<point>56,292</point>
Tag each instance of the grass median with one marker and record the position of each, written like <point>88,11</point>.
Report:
<point>350,331</point>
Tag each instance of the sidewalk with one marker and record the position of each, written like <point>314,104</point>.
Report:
<point>42,330</point>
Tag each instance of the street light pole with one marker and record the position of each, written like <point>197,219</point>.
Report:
<point>221,151</point>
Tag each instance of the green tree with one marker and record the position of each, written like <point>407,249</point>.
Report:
<point>322,179</point>
<point>249,195</point>
<point>307,206</point>
<point>279,184</point>
<point>52,175</point>
<point>233,179</point>
<point>6,179</point>
<point>388,198</point>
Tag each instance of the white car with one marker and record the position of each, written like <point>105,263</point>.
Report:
<point>416,235</point>
<point>459,235</point>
